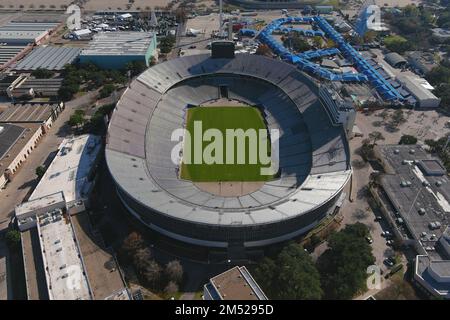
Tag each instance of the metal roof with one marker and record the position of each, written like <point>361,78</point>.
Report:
<point>7,53</point>
<point>9,134</point>
<point>119,43</point>
<point>50,58</point>
<point>314,156</point>
<point>393,58</point>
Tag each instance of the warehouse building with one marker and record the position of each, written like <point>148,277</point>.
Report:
<point>24,33</point>
<point>17,142</point>
<point>421,90</point>
<point>27,87</point>
<point>113,50</point>
<point>21,128</point>
<point>11,53</point>
<point>50,58</point>
<point>395,60</point>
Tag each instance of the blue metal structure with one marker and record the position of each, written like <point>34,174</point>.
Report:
<point>247,32</point>
<point>367,71</point>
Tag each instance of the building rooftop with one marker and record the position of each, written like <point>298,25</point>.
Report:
<point>70,170</point>
<point>119,43</point>
<point>420,89</point>
<point>394,59</point>
<point>39,203</point>
<point>50,58</point>
<point>435,274</point>
<point>420,197</point>
<point>64,269</point>
<point>14,149</point>
<point>9,134</point>
<point>31,113</point>
<point>8,53</point>
<point>236,284</point>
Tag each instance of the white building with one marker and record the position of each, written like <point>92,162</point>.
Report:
<point>421,90</point>
<point>71,171</point>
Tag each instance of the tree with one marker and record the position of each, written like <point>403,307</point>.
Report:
<point>263,50</point>
<point>407,139</point>
<point>292,275</point>
<point>318,42</point>
<point>398,118</point>
<point>76,120</point>
<point>171,288</point>
<point>397,44</point>
<point>297,43</point>
<point>42,73</point>
<point>174,271</point>
<point>151,273</point>
<point>343,265</point>
<point>107,90</point>
<point>40,171</point>
<point>12,238</point>
<point>136,67</point>
<point>167,43</point>
<point>132,243</point>
<point>376,136</point>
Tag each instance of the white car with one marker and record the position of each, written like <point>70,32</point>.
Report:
<point>386,234</point>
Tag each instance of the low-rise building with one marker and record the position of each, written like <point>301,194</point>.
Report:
<point>17,141</point>
<point>61,262</point>
<point>113,50</point>
<point>49,58</point>
<point>395,60</point>
<point>27,87</point>
<point>422,62</point>
<point>421,90</point>
<point>72,171</point>
<point>414,196</point>
<point>233,284</point>
<point>21,128</point>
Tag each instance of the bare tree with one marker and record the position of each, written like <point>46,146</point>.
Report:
<point>174,271</point>
<point>376,136</point>
<point>171,288</point>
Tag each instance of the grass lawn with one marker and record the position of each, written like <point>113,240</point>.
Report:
<point>223,118</point>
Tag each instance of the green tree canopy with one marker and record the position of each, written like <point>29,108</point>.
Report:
<point>292,275</point>
<point>408,139</point>
<point>343,266</point>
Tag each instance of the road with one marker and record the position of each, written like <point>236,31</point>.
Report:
<point>25,179</point>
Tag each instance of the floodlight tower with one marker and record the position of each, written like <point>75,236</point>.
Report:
<point>220,18</point>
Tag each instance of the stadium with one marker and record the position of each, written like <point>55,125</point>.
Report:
<point>314,161</point>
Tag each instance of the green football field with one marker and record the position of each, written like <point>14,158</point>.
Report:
<point>222,118</point>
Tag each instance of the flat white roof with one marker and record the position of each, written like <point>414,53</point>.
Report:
<point>39,203</point>
<point>70,169</point>
<point>64,270</point>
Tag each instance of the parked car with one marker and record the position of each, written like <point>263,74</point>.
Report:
<point>386,234</point>
<point>378,218</point>
<point>369,240</point>
<point>390,243</point>
<point>388,262</point>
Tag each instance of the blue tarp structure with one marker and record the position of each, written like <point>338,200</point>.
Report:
<point>247,32</point>
<point>302,60</point>
<point>367,71</point>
